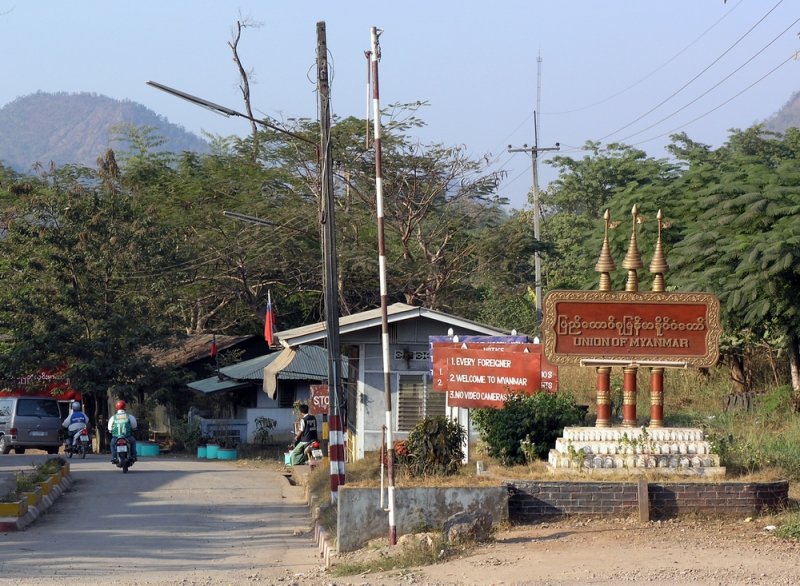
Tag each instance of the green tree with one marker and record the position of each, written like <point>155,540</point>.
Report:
<point>88,278</point>
<point>612,177</point>
<point>741,239</point>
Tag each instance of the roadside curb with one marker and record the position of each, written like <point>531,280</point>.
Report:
<point>19,523</point>
<point>322,537</point>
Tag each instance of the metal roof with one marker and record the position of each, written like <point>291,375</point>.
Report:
<point>309,363</point>
<point>372,318</point>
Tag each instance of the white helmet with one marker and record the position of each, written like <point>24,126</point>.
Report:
<point>76,406</point>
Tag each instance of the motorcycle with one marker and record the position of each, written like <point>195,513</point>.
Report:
<point>312,452</point>
<point>79,443</point>
<point>124,457</point>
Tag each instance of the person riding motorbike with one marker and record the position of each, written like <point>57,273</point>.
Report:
<point>75,422</point>
<point>122,424</point>
<point>305,436</point>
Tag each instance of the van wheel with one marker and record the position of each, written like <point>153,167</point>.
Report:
<point>19,450</point>
<point>52,449</point>
<point>5,445</point>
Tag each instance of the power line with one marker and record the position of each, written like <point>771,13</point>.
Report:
<point>654,71</point>
<point>759,80</point>
<point>684,86</point>
<point>713,87</point>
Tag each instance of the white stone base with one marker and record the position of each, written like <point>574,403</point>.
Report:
<point>669,450</point>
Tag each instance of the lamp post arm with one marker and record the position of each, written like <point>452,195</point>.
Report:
<point>225,111</point>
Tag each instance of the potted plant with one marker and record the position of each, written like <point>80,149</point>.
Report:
<point>28,489</point>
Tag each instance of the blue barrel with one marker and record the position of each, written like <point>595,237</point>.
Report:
<point>226,454</point>
<point>211,451</point>
<point>201,451</point>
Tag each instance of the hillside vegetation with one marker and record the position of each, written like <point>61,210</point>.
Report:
<point>787,117</point>
<point>77,128</point>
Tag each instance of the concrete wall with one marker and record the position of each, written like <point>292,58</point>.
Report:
<point>360,517</point>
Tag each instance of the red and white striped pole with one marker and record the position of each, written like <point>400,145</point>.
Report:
<point>387,383</point>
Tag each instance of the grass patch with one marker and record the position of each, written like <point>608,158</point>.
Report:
<point>418,550</point>
<point>789,528</point>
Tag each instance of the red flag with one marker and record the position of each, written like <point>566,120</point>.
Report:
<point>269,321</point>
<point>214,346</point>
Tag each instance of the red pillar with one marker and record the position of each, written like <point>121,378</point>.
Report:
<point>603,397</point>
<point>657,397</point>
<point>629,396</point>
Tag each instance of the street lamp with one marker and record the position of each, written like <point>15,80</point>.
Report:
<point>227,112</point>
<point>330,277</point>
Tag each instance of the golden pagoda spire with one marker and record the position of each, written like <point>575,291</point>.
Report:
<point>633,260</point>
<point>659,266</point>
<point>605,264</point>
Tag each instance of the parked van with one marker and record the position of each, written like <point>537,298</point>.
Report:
<point>29,422</point>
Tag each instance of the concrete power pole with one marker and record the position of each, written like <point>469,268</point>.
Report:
<point>337,406</point>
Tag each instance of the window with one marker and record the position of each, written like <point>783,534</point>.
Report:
<point>286,395</point>
<point>417,400</point>
<point>38,408</point>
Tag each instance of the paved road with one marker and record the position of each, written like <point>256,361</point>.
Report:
<point>168,521</point>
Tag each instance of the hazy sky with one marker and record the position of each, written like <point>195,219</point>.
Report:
<point>633,71</point>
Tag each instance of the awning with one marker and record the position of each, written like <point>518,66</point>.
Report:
<point>297,362</point>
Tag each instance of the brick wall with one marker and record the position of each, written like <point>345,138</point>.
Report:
<point>531,501</point>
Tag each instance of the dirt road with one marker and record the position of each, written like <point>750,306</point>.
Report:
<point>168,521</point>
<point>207,523</point>
<point>614,551</point>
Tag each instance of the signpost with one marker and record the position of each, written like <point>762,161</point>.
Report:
<point>677,329</point>
<point>481,375</point>
<point>319,401</point>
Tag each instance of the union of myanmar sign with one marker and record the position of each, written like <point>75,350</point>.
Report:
<point>620,325</point>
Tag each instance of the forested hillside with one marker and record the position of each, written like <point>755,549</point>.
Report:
<point>787,117</point>
<point>77,128</point>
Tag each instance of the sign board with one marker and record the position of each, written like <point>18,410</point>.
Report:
<point>320,401</point>
<point>480,377</point>
<point>618,325</point>
<point>474,339</point>
<point>44,383</point>
<point>548,372</point>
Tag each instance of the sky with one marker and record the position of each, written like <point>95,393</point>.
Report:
<point>629,71</point>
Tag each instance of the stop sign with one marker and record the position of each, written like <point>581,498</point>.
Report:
<point>320,401</point>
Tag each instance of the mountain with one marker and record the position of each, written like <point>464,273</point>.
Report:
<point>787,117</point>
<point>77,128</point>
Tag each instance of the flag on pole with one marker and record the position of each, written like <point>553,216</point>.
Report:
<point>269,320</point>
<point>214,346</point>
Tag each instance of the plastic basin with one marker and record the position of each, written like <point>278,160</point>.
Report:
<point>147,449</point>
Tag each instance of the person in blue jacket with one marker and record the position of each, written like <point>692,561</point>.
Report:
<point>75,422</point>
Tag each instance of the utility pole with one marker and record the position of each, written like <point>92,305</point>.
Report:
<point>534,151</point>
<point>337,405</point>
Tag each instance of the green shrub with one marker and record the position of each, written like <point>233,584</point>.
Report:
<point>526,423</point>
<point>27,481</point>
<point>187,435</point>
<point>434,448</point>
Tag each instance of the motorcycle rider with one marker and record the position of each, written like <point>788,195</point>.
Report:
<point>122,424</point>
<point>305,435</point>
<point>75,422</point>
